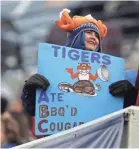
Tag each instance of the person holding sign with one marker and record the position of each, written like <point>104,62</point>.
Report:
<point>82,33</point>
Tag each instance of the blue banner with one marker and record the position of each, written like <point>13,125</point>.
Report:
<point>78,91</point>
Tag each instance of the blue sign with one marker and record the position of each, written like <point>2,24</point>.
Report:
<point>131,76</point>
<point>78,90</point>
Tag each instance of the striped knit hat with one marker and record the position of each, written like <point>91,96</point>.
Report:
<point>76,26</point>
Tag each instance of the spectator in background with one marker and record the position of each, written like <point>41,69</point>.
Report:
<point>56,39</point>
<point>113,42</point>
<point>16,111</point>
<point>15,128</point>
<point>24,127</point>
<point>10,136</point>
<point>4,104</point>
<point>3,135</point>
<point>9,131</point>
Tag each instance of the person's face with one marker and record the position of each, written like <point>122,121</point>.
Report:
<point>91,40</point>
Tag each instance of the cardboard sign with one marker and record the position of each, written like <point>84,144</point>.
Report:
<point>78,90</point>
<point>131,76</point>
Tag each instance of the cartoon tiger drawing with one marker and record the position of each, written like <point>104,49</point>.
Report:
<point>83,85</point>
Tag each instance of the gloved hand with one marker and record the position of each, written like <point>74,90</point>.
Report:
<point>28,96</point>
<point>119,88</point>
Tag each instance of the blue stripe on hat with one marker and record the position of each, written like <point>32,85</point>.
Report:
<point>76,37</point>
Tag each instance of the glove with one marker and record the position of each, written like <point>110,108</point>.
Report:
<point>28,96</point>
<point>119,88</point>
<point>36,81</point>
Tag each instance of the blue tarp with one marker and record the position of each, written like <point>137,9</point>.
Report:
<point>104,134</point>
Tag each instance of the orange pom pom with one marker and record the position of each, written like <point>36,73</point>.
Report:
<point>68,24</point>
